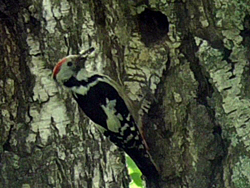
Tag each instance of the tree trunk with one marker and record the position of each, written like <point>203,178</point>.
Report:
<point>185,64</point>
<point>45,140</point>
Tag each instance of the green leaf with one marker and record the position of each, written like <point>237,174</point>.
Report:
<point>137,179</point>
<point>134,173</point>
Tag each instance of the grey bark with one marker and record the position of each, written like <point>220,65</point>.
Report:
<point>192,74</point>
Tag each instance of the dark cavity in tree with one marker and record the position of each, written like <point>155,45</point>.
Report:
<point>153,26</point>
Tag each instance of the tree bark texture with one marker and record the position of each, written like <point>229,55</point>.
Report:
<point>45,140</point>
<point>185,64</point>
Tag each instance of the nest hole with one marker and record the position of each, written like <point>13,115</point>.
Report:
<point>153,26</point>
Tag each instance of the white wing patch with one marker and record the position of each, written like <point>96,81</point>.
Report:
<point>124,128</point>
<point>128,117</point>
<point>113,121</point>
<point>130,137</point>
<point>83,90</point>
<point>132,128</point>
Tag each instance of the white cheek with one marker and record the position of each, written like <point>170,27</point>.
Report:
<point>64,74</point>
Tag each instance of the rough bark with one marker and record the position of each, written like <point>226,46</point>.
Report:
<point>45,140</point>
<point>188,59</point>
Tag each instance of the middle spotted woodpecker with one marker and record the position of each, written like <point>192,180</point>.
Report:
<point>102,100</point>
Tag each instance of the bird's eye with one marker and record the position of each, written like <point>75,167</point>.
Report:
<point>69,64</point>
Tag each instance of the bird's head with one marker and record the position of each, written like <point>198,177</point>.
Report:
<point>66,68</point>
<point>69,66</point>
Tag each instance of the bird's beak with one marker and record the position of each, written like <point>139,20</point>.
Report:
<point>87,52</point>
<point>81,59</point>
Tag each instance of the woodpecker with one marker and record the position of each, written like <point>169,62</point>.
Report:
<point>104,102</point>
